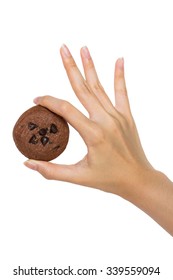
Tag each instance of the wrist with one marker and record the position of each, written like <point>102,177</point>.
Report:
<point>153,194</point>
<point>145,182</point>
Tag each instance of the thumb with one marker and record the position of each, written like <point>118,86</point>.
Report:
<point>52,171</point>
<point>122,102</point>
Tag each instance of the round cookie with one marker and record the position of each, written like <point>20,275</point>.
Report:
<point>41,134</point>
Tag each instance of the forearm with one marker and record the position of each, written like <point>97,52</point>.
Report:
<point>154,195</point>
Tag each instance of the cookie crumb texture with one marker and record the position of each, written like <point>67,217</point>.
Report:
<point>40,134</point>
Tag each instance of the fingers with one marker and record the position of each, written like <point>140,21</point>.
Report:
<point>52,171</point>
<point>79,85</point>
<point>93,81</point>
<point>122,102</point>
<point>73,116</point>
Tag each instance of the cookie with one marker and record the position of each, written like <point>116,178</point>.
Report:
<point>41,134</point>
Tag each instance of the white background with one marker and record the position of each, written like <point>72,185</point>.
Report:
<point>48,223</point>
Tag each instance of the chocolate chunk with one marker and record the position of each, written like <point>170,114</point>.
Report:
<point>44,140</point>
<point>32,126</point>
<point>53,128</point>
<point>33,140</point>
<point>43,131</point>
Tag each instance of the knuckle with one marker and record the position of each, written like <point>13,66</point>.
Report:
<point>45,171</point>
<point>97,86</point>
<point>70,64</point>
<point>118,120</point>
<point>90,64</point>
<point>85,86</point>
<point>82,87</point>
<point>127,122</point>
<point>117,126</point>
<point>121,91</point>
<point>47,176</point>
<point>123,120</point>
<point>98,136</point>
<point>64,106</point>
<point>113,122</point>
<point>45,100</point>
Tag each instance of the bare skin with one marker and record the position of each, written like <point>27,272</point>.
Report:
<point>115,161</point>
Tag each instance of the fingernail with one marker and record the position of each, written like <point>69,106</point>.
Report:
<point>31,164</point>
<point>65,51</point>
<point>86,53</point>
<point>37,100</point>
<point>121,63</point>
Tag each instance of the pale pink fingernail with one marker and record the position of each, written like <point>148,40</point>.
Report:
<point>37,100</point>
<point>31,164</point>
<point>86,53</point>
<point>121,63</point>
<point>65,51</point>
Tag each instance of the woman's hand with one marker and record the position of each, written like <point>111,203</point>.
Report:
<point>115,160</point>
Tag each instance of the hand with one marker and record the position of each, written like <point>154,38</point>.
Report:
<point>115,160</point>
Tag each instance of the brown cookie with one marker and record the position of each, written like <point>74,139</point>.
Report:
<point>40,134</point>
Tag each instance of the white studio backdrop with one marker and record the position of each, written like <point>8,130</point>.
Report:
<point>48,223</point>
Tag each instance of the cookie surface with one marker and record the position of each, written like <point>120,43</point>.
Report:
<point>40,134</point>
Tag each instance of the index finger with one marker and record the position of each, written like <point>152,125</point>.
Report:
<point>73,116</point>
